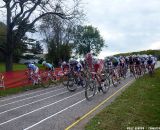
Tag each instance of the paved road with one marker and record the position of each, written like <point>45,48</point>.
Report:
<point>53,108</point>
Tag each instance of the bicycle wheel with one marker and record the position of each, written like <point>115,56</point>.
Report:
<point>105,86</point>
<point>114,81</point>
<point>106,82</point>
<point>45,80</point>
<point>64,80</point>
<point>40,82</point>
<point>71,83</point>
<point>90,89</point>
<point>83,80</point>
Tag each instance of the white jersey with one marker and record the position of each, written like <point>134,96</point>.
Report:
<point>153,60</point>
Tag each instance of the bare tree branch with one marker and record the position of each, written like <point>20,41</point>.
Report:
<point>19,14</point>
<point>30,11</point>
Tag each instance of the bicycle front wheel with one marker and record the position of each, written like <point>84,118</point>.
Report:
<point>105,86</point>
<point>64,80</point>
<point>90,89</point>
<point>71,83</point>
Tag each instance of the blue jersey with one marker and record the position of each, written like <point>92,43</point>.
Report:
<point>48,65</point>
<point>32,67</point>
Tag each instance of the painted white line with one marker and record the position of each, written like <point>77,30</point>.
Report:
<point>54,114</point>
<point>26,94</point>
<point>39,108</point>
<point>29,98</point>
<point>61,112</point>
<point>32,102</point>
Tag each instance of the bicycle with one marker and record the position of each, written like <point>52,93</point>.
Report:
<point>75,79</point>
<point>132,70</point>
<point>34,79</point>
<point>48,78</point>
<point>91,84</point>
<point>115,78</point>
<point>63,77</point>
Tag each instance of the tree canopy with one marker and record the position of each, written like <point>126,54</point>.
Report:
<point>22,15</point>
<point>87,39</point>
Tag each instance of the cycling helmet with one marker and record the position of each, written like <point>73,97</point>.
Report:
<point>44,62</point>
<point>64,63</point>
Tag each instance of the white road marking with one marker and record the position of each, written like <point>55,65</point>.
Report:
<point>54,115</point>
<point>26,94</point>
<point>29,98</point>
<point>40,108</point>
<point>32,102</point>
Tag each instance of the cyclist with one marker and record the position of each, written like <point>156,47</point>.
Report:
<point>150,62</point>
<point>89,61</point>
<point>138,65</point>
<point>65,66</point>
<point>122,64</point>
<point>48,66</point>
<point>131,64</point>
<point>77,68</point>
<point>33,70</point>
<point>98,69</point>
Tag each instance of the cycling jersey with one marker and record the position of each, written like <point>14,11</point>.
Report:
<point>115,62</point>
<point>150,61</point>
<point>137,60</point>
<point>122,62</point>
<point>89,60</point>
<point>49,66</point>
<point>153,59</point>
<point>131,61</point>
<point>78,67</point>
<point>33,68</point>
<point>65,66</point>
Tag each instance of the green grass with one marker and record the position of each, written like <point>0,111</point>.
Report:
<point>16,67</point>
<point>138,105</point>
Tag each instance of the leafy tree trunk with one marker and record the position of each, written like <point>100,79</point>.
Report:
<point>9,51</point>
<point>9,43</point>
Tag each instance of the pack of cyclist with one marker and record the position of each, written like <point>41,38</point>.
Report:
<point>137,64</point>
<point>116,67</point>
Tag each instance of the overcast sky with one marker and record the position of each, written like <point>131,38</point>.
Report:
<point>126,25</point>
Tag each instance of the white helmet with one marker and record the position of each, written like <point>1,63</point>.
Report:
<point>64,63</point>
<point>44,62</point>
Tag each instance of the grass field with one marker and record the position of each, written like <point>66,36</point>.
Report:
<point>15,67</point>
<point>138,106</point>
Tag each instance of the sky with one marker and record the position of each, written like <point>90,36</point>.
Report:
<point>125,25</point>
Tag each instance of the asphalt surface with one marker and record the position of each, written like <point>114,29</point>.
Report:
<point>53,108</point>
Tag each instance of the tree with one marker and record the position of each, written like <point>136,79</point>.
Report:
<point>58,34</point>
<point>37,48</point>
<point>20,48</point>
<point>87,39</point>
<point>22,16</point>
<point>3,29</point>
